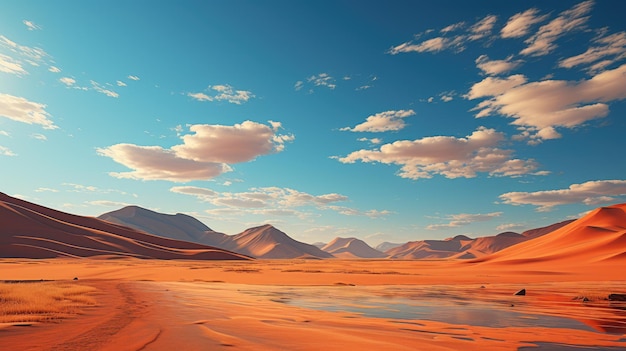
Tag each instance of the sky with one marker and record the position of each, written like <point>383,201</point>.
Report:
<point>381,120</point>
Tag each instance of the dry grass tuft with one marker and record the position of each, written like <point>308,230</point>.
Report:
<point>42,301</point>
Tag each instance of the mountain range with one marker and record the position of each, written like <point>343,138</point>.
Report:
<point>29,230</point>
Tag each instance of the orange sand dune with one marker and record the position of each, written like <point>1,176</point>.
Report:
<point>34,231</point>
<point>598,237</point>
<point>351,248</point>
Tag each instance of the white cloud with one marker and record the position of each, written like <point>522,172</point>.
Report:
<point>299,84</point>
<point>5,151</point>
<point>372,140</point>
<point>21,110</point>
<point>135,78</point>
<point>108,203</point>
<point>453,27</point>
<point>10,65</point>
<point>32,55</point>
<point>203,155</point>
<point>68,81</point>
<point>543,42</point>
<point>448,156</point>
<point>265,201</point>
<point>102,90</point>
<point>41,190</point>
<point>539,107</point>
<point>519,24</point>
<point>223,92</point>
<point>495,67</point>
<point>588,193</point>
<point>230,144</point>
<point>462,219</point>
<point>120,83</point>
<point>54,69</point>
<point>606,51</point>
<point>39,136</point>
<point>382,122</point>
<point>5,133</point>
<point>482,28</point>
<point>322,80</point>
<point>31,25</point>
<point>510,227</point>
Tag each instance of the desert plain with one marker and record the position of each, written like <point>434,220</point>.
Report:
<point>324,305</point>
<point>82,283</point>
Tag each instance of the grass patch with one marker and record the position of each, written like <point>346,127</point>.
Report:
<point>42,301</point>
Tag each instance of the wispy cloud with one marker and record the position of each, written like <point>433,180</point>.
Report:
<point>103,90</point>
<point>273,201</point>
<point>108,203</point>
<point>31,25</point>
<point>480,30</point>
<point>590,193</point>
<point>10,65</point>
<point>54,69</point>
<point>495,67</point>
<point>5,151</point>
<point>382,122</point>
<point>67,81</point>
<point>19,109</point>
<point>570,104</point>
<point>605,51</point>
<point>544,41</point>
<point>39,136</point>
<point>131,77</point>
<point>463,219</point>
<point>448,156</point>
<point>223,93</point>
<point>205,154</point>
<point>23,54</point>
<point>519,24</point>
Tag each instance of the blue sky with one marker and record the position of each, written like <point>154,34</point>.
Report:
<point>382,120</point>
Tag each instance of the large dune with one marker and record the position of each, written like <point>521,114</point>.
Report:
<point>600,236</point>
<point>464,247</point>
<point>268,242</point>
<point>351,248</point>
<point>28,230</point>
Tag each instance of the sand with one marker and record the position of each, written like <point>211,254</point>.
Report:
<point>271,305</point>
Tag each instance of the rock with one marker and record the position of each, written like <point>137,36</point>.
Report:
<point>75,278</point>
<point>521,292</point>
<point>617,297</point>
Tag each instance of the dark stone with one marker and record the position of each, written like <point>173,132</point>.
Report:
<point>521,292</point>
<point>75,278</point>
<point>617,297</point>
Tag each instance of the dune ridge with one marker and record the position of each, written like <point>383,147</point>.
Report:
<point>33,231</point>
<point>351,248</point>
<point>597,237</point>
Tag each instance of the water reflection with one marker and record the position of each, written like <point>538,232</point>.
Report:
<point>478,314</point>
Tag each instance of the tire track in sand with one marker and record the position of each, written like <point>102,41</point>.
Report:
<point>100,336</point>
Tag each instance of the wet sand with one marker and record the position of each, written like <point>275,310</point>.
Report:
<point>325,304</point>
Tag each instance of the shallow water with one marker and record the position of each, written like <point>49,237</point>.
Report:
<point>475,314</point>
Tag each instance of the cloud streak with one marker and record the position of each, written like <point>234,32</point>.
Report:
<point>448,156</point>
<point>223,93</point>
<point>21,110</point>
<point>590,193</point>
<point>463,219</point>
<point>382,122</point>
